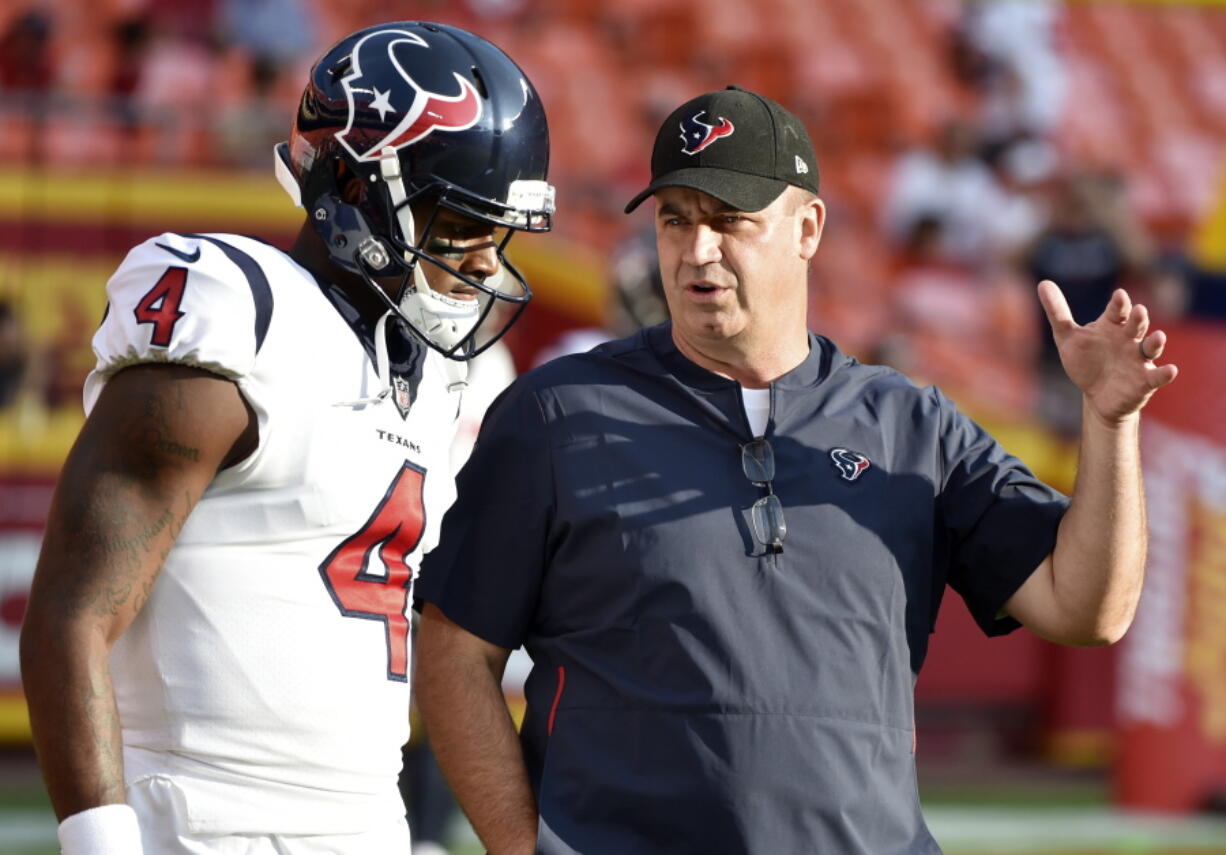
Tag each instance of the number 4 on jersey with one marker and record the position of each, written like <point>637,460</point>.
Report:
<point>160,306</point>
<point>395,528</point>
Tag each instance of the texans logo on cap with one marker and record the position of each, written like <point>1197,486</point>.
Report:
<point>420,112</point>
<point>851,464</point>
<point>696,135</point>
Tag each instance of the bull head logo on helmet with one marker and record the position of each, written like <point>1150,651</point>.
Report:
<point>421,112</point>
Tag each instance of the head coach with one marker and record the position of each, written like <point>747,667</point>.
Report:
<point>724,543</point>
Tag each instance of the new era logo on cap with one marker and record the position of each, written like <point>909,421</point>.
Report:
<point>736,146</point>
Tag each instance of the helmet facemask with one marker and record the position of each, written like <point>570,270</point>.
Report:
<point>447,323</point>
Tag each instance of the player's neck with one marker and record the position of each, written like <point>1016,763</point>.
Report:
<point>309,251</point>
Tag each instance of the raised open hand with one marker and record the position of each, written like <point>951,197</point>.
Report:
<point>1111,359</point>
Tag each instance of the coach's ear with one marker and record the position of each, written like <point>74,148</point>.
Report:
<point>811,220</point>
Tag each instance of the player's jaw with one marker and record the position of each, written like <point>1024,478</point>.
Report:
<point>449,286</point>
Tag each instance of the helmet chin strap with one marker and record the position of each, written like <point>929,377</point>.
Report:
<point>446,320</point>
<point>389,168</point>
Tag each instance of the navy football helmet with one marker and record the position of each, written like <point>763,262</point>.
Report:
<point>425,116</point>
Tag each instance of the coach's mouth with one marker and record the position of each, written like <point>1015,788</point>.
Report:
<point>705,289</point>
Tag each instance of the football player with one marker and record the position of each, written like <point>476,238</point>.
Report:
<point>216,654</point>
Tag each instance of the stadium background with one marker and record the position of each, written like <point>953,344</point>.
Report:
<point>963,146</point>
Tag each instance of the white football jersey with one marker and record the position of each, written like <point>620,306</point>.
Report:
<point>268,672</point>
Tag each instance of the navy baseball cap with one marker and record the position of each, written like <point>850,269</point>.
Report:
<point>735,145</point>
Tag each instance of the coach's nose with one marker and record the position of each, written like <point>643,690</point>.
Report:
<point>703,246</point>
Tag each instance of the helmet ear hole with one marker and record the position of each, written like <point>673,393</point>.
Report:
<point>341,68</point>
<point>479,80</point>
<point>348,183</point>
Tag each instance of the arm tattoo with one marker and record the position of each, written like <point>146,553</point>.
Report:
<point>153,432</point>
<point>98,703</point>
<point>172,447</point>
<point>128,554</point>
<point>123,528</point>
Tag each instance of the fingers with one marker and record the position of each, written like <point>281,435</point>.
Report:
<point>1160,375</point>
<point>1153,344</point>
<point>1152,347</point>
<point>1118,308</point>
<point>1137,324</point>
<point>1054,305</point>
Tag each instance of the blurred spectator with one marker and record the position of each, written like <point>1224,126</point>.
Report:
<point>949,184</point>
<point>274,32</point>
<point>25,60</point>
<point>1179,287</point>
<point>1092,245</point>
<point>181,17</point>
<point>497,9</point>
<point>178,68</point>
<point>1007,50</point>
<point>67,356</point>
<point>966,329</point>
<point>249,128</point>
<point>14,355</point>
<point>130,37</point>
<point>27,77</point>
<point>178,91</point>
<point>636,291</point>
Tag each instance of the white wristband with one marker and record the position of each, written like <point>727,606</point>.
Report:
<point>105,830</point>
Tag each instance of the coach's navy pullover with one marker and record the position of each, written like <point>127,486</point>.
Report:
<point>693,693</point>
